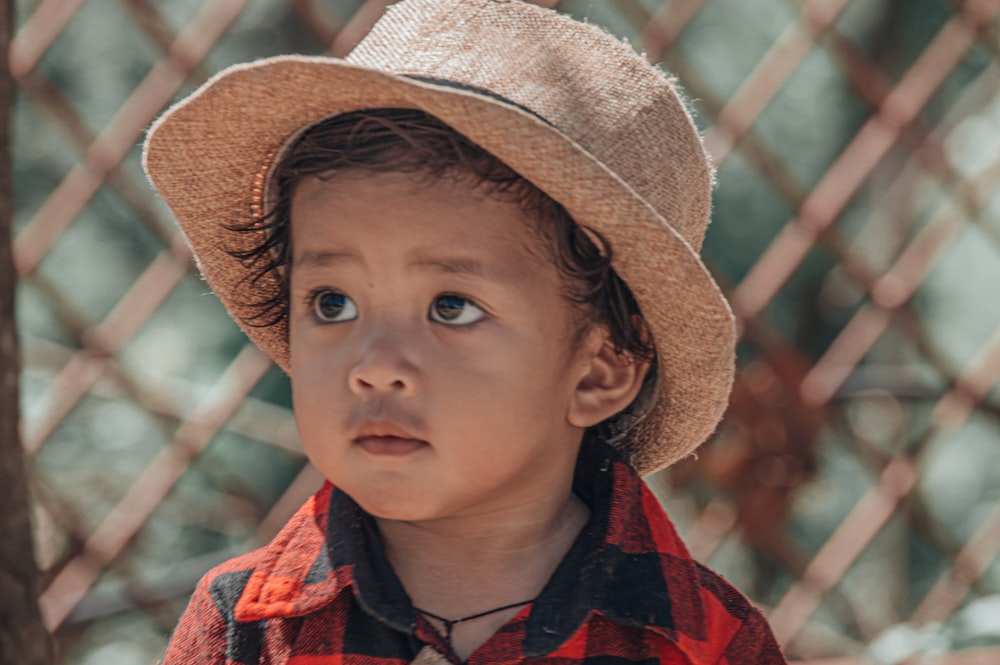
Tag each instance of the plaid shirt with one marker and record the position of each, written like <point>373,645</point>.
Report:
<point>323,593</point>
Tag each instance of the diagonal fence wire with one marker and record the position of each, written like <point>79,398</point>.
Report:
<point>897,112</point>
<point>847,174</point>
<point>151,486</point>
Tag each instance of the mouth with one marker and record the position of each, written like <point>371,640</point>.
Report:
<point>387,439</point>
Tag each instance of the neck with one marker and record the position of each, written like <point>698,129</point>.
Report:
<point>454,567</point>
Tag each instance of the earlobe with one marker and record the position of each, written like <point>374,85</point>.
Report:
<point>610,384</point>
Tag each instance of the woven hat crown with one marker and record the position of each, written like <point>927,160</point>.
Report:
<point>593,88</point>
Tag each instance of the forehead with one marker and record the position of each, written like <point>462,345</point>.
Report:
<point>412,213</point>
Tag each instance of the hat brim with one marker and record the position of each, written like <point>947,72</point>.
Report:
<point>209,157</point>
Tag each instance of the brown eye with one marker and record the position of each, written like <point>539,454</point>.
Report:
<point>334,307</point>
<point>455,310</point>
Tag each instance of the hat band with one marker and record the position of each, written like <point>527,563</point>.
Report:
<point>485,92</point>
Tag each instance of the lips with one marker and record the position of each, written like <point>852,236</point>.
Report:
<point>389,446</point>
<point>387,439</point>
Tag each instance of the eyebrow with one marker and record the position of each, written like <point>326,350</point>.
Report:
<point>457,265</point>
<point>323,259</point>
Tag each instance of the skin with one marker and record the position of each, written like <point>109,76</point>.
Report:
<point>434,382</point>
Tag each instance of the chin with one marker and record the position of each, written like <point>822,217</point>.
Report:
<point>397,508</point>
<point>396,513</point>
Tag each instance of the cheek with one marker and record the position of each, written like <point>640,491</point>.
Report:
<point>315,380</point>
<point>307,405</point>
<point>312,348</point>
<point>523,370</point>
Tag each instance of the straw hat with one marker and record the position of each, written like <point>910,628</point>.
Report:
<point>565,104</point>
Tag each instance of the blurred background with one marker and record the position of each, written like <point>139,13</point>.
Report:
<point>853,490</point>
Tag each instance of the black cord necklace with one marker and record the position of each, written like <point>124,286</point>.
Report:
<point>450,623</point>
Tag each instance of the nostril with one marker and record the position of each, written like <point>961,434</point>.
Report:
<point>383,367</point>
<point>362,381</point>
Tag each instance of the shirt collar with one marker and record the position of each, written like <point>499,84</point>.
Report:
<point>628,564</point>
<point>293,574</point>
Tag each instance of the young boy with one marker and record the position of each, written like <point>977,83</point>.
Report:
<point>473,246</point>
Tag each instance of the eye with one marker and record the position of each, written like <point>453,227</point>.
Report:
<point>455,310</point>
<point>333,306</point>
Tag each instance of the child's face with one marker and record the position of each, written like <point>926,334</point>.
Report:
<point>431,315</point>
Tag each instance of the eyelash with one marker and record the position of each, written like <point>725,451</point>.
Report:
<point>312,296</point>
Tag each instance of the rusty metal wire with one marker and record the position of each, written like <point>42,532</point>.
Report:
<point>871,382</point>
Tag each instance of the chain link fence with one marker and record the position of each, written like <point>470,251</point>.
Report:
<point>853,490</point>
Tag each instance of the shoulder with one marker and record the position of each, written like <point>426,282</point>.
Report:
<point>734,625</point>
<point>226,617</point>
<point>222,586</point>
<point>206,631</point>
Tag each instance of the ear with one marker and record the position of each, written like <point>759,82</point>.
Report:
<point>609,383</point>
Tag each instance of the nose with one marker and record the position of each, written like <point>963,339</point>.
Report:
<point>383,367</point>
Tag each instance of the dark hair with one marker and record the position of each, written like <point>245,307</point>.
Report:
<point>410,141</point>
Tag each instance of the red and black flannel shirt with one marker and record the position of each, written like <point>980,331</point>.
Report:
<point>323,593</point>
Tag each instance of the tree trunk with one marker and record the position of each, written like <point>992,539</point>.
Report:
<point>23,638</point>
